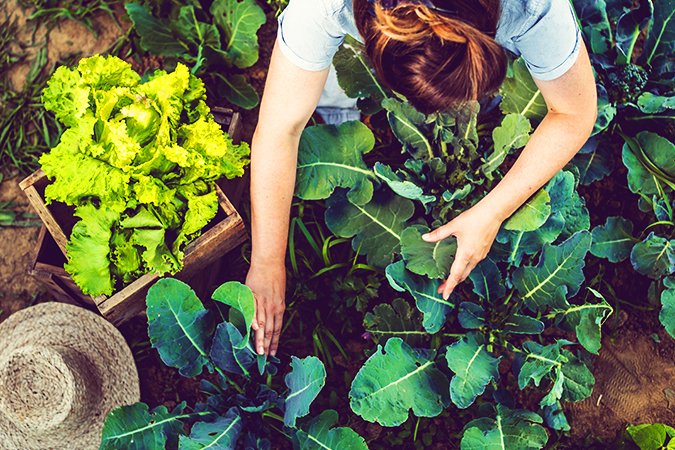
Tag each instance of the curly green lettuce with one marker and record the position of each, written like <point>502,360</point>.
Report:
<point>138,161</point>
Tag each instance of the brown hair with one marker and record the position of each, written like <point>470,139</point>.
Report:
<point>436,60</point>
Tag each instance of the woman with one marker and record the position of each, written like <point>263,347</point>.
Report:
<point>437,53</point>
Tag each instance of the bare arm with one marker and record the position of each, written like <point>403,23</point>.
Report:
<point>572,110</point>
<point>291,95</point>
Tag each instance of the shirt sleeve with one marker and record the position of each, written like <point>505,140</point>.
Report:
<point>551,40</point>
<point>308,34</point>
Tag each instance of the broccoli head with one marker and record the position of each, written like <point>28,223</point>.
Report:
<point>625,83</point>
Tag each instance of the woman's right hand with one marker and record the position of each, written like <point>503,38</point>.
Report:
<point>268,283</point>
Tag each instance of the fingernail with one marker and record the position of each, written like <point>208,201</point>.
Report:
<point>426,236</point>
<point>273,353</point>
<point>261,350</point>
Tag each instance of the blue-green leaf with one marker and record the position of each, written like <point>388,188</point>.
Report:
<point>225,354</point>
<point>487,281</point>
<point>133,427</point>
<point>179,327</point>
<point>219,434</point>
<point>511,429</point>
<point>585,320</point>
<point>473,367</point>
<point>389,384</point>
<point>320,433</point>
<point>375,226</point>
<point>239,298</point>
<point>560,265</point>
<point>395,319</point>
<point>305,381</point>
<point>331,156</point>
<point>432,259</point>
<point>521,95</point>
<point>654,256</point>
<point>405,122</point>
<point>613,240</point>
<point>424,291</point>
<point>667,314</point>
<point>628,28</point>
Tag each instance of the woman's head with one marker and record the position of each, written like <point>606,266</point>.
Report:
<point>438,53</point>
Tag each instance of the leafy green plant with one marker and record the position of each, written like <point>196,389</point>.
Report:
<point>653,436</point>
<point>530,281</point>
<point>636,104</point>
<point>138,161</point>
<point>212,40</point>
<point>189,338</point>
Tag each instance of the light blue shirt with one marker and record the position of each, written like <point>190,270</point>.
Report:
<point>544,32</point>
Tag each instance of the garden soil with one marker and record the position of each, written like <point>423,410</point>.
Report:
<point>635,376</point>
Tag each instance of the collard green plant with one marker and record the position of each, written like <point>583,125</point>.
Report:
<point>533,278</point>
<point>208,39</point>
<point>636,106</point>
<point>238,405</point>
<point>138,161</point>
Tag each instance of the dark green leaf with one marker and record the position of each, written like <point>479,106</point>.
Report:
<point>521,95</point>
<point>558,266</point>
<point>320,433</point>
<point>654,256</point>
<point>239,20</point>
<point>397,319</point>
<point>432,259</point>
<point>391,383</point>
<point>473,367</point>
<point>511,429</point>
<point>425,293</point>
<point>237,90</point>
<point>331,156</point>
<point>376,226</point>
<point>628,28</point>
<point>219,434</point>
<point>133,427</point>
<point>305,381</point>
<point>179,327</point>
<point>613,240</point>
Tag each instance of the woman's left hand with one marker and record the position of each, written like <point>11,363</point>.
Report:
<point>475,230</point>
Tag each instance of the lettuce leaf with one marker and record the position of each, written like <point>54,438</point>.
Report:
<point>89,249</point>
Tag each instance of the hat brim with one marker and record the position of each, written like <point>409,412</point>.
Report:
<point>63,325</point>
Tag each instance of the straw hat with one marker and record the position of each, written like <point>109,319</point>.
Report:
<point>62,369</point>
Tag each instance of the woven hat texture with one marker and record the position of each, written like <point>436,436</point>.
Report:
<point>62,370</point>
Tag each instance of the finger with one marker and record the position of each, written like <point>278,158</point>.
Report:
<point>254,323</point>
<point>278,321</point>
<point>439,233</point>
<point>469,268</point>
<point>456,271</point>
<point>260,332</point>
<point>269,329</point>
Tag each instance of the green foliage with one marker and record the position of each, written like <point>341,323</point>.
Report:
<point>182,330</point>
<point>138,161</point>
<point>305,381</point>
<point>652,436</point>
<point>432,259</point>
<point>391,383</point>
<point>473,367</point>
<point>209,39</point>
<point>667,314</point>
<point>321,172</point>
<point>321,433</point>
<point>509,429</point>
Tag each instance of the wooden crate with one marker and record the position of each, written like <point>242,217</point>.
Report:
<point>225,232</point>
